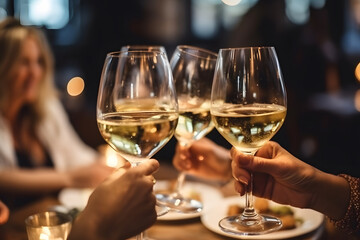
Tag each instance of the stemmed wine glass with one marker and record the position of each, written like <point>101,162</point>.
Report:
<point>248,106</point>
<point>156,48</point>
<point>193,72</point>
<point>137,109</point>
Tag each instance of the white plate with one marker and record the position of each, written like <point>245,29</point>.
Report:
<point>75,197</point>
<point>208,195</point>
<point>211,217</point>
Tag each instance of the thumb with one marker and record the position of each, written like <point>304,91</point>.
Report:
<point>253,163</point>
<point>147,167</point>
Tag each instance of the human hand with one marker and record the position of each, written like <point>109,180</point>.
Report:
<point>89,176</point>
<point>281,177</point>
<point>121,207</point>
<point>205,159</point>
<point>277,175</point>
<point>4,213</point>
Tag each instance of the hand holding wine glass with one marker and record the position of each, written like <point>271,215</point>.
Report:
<point>248,106</point>
<point>137,109</point>
<point>193,71</point>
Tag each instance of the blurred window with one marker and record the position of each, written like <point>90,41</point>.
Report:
<point>298,12</point>
<point>351,38</point>
<point>3,9</point>
<point>208,16</point>
<point>52,14</point>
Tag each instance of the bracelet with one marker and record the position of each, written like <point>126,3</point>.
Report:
<point>351,220</point>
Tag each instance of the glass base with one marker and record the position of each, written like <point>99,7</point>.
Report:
<point>161,209</point>
<point>259,224</point>
<point>178,203</point>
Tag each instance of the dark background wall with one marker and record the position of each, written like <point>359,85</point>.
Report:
<point>318,48</point>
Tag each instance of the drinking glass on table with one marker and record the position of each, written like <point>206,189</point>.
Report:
<point>193,72</point>
<point>137,108</point>
<point>48,225</point>
<point>248,106</point>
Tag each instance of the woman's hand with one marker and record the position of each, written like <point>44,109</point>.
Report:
<point>89,176</point>
<point>204,159</point>
<point>121,207</point>
<point>281,177</point>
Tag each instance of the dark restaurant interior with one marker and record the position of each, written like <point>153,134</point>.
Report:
<point>317,42</point>
<point>318,45</point>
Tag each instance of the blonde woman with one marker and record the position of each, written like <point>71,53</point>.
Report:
<point>40,153</point>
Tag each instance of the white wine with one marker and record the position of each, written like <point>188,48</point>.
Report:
<point>248,127</point>
<point>193,124</point>
<point>138,135</point>
<point>194,119</point>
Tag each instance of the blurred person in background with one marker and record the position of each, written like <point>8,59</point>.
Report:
<point>40,152</point>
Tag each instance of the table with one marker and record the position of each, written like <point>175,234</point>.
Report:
<point>161,230</point>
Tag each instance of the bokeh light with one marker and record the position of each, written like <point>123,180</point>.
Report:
<point>75,86</point>
<point>231,2</point>
<point>357,72</point>
<point>357,100</point>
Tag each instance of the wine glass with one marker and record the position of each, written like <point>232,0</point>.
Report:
<point>157,48</point>
<point>193,72</point>
<point>137,109</point>
<point>248,106</point>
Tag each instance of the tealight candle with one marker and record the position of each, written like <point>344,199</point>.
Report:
<point>48,226</point>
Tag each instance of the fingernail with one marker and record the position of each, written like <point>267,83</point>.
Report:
<point>243,180</point>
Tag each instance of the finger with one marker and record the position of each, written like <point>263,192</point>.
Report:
<point>240,188</point>
<point>126,165</point>
<point>254,163</point>
<point>240,174</point>
<point>202,145</point>
<point>151,179</point>
<point>182,162</point>
<point>147,167</point>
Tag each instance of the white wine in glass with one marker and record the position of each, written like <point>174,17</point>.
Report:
<point>193,71</point>
<point>248,107</point>
<point>137,109</point>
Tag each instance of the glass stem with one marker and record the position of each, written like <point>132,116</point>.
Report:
<point>249,211</point>
<point>140,236</point>
<point>182,175</point>
<point>180,183</point>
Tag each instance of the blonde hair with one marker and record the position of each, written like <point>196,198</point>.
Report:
<point>12,37</point>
